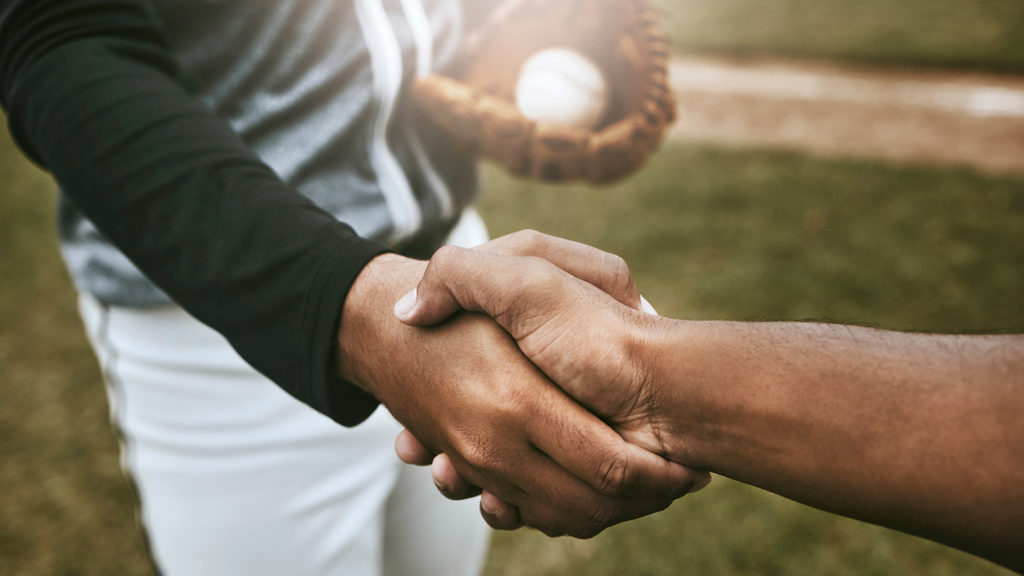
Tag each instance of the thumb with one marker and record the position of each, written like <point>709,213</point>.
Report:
<point>408,310</point>
<point>438,306</point>
<point>455,279</point>
<point>502,287</point>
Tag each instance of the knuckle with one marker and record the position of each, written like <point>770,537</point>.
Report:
<point>530,241</point>
<point>540,270</point>
<point>515,400</point>
<point>536,274</point>
<point>617,277</point>
<point>476,450</point>
<point>530,237</point>
<point>477,455</point>
<point>602,517</point>
<point>445,256</point>
<point>615,474</point>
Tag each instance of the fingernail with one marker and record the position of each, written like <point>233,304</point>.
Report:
<point>403,308</point>
<point>441,487</point>
<point>488,507</point>
<point>701,484</point>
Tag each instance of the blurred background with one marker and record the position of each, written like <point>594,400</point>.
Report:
<point>858,162</point>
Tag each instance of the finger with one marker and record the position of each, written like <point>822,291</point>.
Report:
<point>616,468</point>
<point>564,505</point>
<point>548,497</point>
<point>541,494</point>
<point>556,501</point>
<point>702,482</point>
<point>410,450</point>
<point>498,514</point>
<point>587,522</point>
<point>519,293</point>
<point>559,504</point>
<point>448,481</point>
<point>551,499</point>
<point>461,279</point>
<point>433,300</point>
<point>601,478</point>
<point>605,270</point>
<point>590,449</point>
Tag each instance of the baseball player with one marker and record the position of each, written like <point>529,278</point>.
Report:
<point>243,193</point>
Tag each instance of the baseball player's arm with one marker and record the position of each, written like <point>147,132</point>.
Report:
<point>92,94</point>
<point>922,433</point>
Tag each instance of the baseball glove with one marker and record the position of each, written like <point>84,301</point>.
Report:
<point>475,104</point>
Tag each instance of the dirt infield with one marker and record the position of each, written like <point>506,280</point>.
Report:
<point>958,118</point>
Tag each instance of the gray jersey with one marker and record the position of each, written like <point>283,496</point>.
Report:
<point>318,89</point>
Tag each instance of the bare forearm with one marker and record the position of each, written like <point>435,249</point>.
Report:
<point>919,433</point>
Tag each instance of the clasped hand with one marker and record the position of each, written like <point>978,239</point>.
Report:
<point>574,312</point>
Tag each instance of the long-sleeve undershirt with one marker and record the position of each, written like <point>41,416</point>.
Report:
<point>93,94</point>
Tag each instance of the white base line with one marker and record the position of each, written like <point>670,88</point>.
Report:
<point>962,96</point>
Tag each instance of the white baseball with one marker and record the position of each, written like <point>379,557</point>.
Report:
<point>562,87</point>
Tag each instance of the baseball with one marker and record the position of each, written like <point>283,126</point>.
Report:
<point>562,87</point>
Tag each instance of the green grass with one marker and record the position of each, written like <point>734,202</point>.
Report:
<point>709,234</point>
<point>759,236</point>
<point>64,506</point>
<point>956,33</point>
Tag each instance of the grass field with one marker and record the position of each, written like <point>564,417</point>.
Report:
<point>64,506</point>
<point>986,34</point>
<point>709,234</point>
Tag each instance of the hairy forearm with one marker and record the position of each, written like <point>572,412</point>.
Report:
<point>916,432</point>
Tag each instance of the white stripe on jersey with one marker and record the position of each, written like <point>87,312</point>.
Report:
<point>386,62</point>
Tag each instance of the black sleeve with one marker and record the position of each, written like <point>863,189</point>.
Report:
<point>93,95</point>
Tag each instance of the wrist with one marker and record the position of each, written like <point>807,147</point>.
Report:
<point>367,323</point>
<point>673,368</point>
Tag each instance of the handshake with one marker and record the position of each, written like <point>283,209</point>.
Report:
<point>526,371</point>
<point>576,314</point>
<point>542,400</point>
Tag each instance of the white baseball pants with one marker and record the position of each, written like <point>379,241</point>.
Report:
<point>236,477</point>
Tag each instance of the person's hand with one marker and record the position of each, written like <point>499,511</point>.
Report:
<point>464,389</point>
<point>573,311</point>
